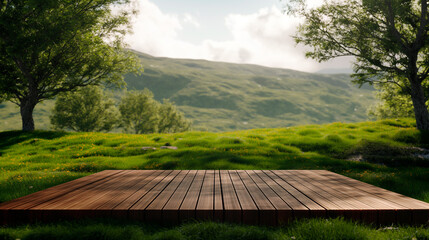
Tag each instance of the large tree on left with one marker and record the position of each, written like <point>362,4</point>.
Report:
<point>53,46</point>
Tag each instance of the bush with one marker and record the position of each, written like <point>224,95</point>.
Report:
<point>141,113</point>
<point>86,110</point>
<point>413,136</point>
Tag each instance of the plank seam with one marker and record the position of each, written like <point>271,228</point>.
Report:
<point>199,193</point>
<point>154,174</point>
<point>295,189</point>
<point>238,199</point>
<point>129,208</point>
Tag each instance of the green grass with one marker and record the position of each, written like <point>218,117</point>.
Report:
<point>30,162</point>
<point>313,229</point>
<point>224,96</point>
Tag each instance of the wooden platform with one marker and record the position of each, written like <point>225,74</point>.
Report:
<point>250,197</point>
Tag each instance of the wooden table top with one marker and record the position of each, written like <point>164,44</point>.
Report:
<point>266,197</point>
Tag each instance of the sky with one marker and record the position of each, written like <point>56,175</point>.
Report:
<point>237,31</point>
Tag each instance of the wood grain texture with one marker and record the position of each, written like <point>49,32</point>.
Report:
<point>265,197</point>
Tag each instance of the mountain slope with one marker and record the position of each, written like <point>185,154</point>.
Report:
<point>224,96</point>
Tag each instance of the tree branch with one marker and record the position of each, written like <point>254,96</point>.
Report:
<point>390,17</point>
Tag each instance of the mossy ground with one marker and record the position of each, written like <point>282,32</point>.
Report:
<point>30,162</point>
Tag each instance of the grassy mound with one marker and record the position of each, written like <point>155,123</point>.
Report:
<point>390,155</point>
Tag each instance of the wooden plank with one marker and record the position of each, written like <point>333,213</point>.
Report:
<point>315,209</point>
<point>284,213</point>
<point>267,212</point>
<point>218,202</point>
<point>126,192</point>
<point>187,209</point>
<point>419,209</point>
<point>380,192</point>
<point>122,209</point>
<point>229,197</point>
<point>60,206</point>
<point>331,201</point>
<point>48,194</point>
<point>205,205</point>
<point>323,199</point>
<point>289,199</point>
<point>251,197</point>
<point>248,207</point>
<point>382,211</point>
<point>356,210</point>
<point>105,197</point>
<point>331,189</point>
<point>114,191</point>
<point>137,210</point>
<point>81,195</point>
<point>15,211</point>
<point>154,212</point>
<point>336,183</point>
<point>170,212</point>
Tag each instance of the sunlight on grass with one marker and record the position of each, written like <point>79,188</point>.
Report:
<point>30,162</point>
<point>43,159</point>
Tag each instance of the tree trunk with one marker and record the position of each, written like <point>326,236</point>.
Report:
<point>27,108</point>
<point>420,108</point>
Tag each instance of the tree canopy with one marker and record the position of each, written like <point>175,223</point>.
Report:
<point>86,110</point>
<point>389,40</point>
<point>171,120</point>
<point>53,46</point>
<point>140,113</point>
<point>394,104</point>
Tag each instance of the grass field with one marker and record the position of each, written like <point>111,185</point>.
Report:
<point>30,162</point>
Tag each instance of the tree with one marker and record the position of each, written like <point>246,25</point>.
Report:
<point>171,120</point>
<point>140,113</point>
<point>388,38</point>
<point>394,104</point>
<point>86,110</point>
<point>54,46</point>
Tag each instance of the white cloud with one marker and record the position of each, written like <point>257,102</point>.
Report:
<point>188,18</point>
<point>262,38</point>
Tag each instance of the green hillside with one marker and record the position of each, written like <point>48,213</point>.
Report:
<point>392,157</point>
<point>224,96</point>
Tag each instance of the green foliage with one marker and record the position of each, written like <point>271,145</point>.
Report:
<point>170,119</point>
<point>388,40</point>
<point>2,98</point>
<point>57,46</point>
<point>328,230</point>
<point>305,229</point>
<point>394,104</point>
<point>86,110</point>
<point>215,231</point>
<point>140,113</point>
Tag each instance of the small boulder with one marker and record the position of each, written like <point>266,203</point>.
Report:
<point>148,148</point>
<point>168,147</point>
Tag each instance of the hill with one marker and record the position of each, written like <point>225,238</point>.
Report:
<point>224,96</point>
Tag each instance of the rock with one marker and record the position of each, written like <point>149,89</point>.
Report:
<point>168,147</point>
<point>148,148</point>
